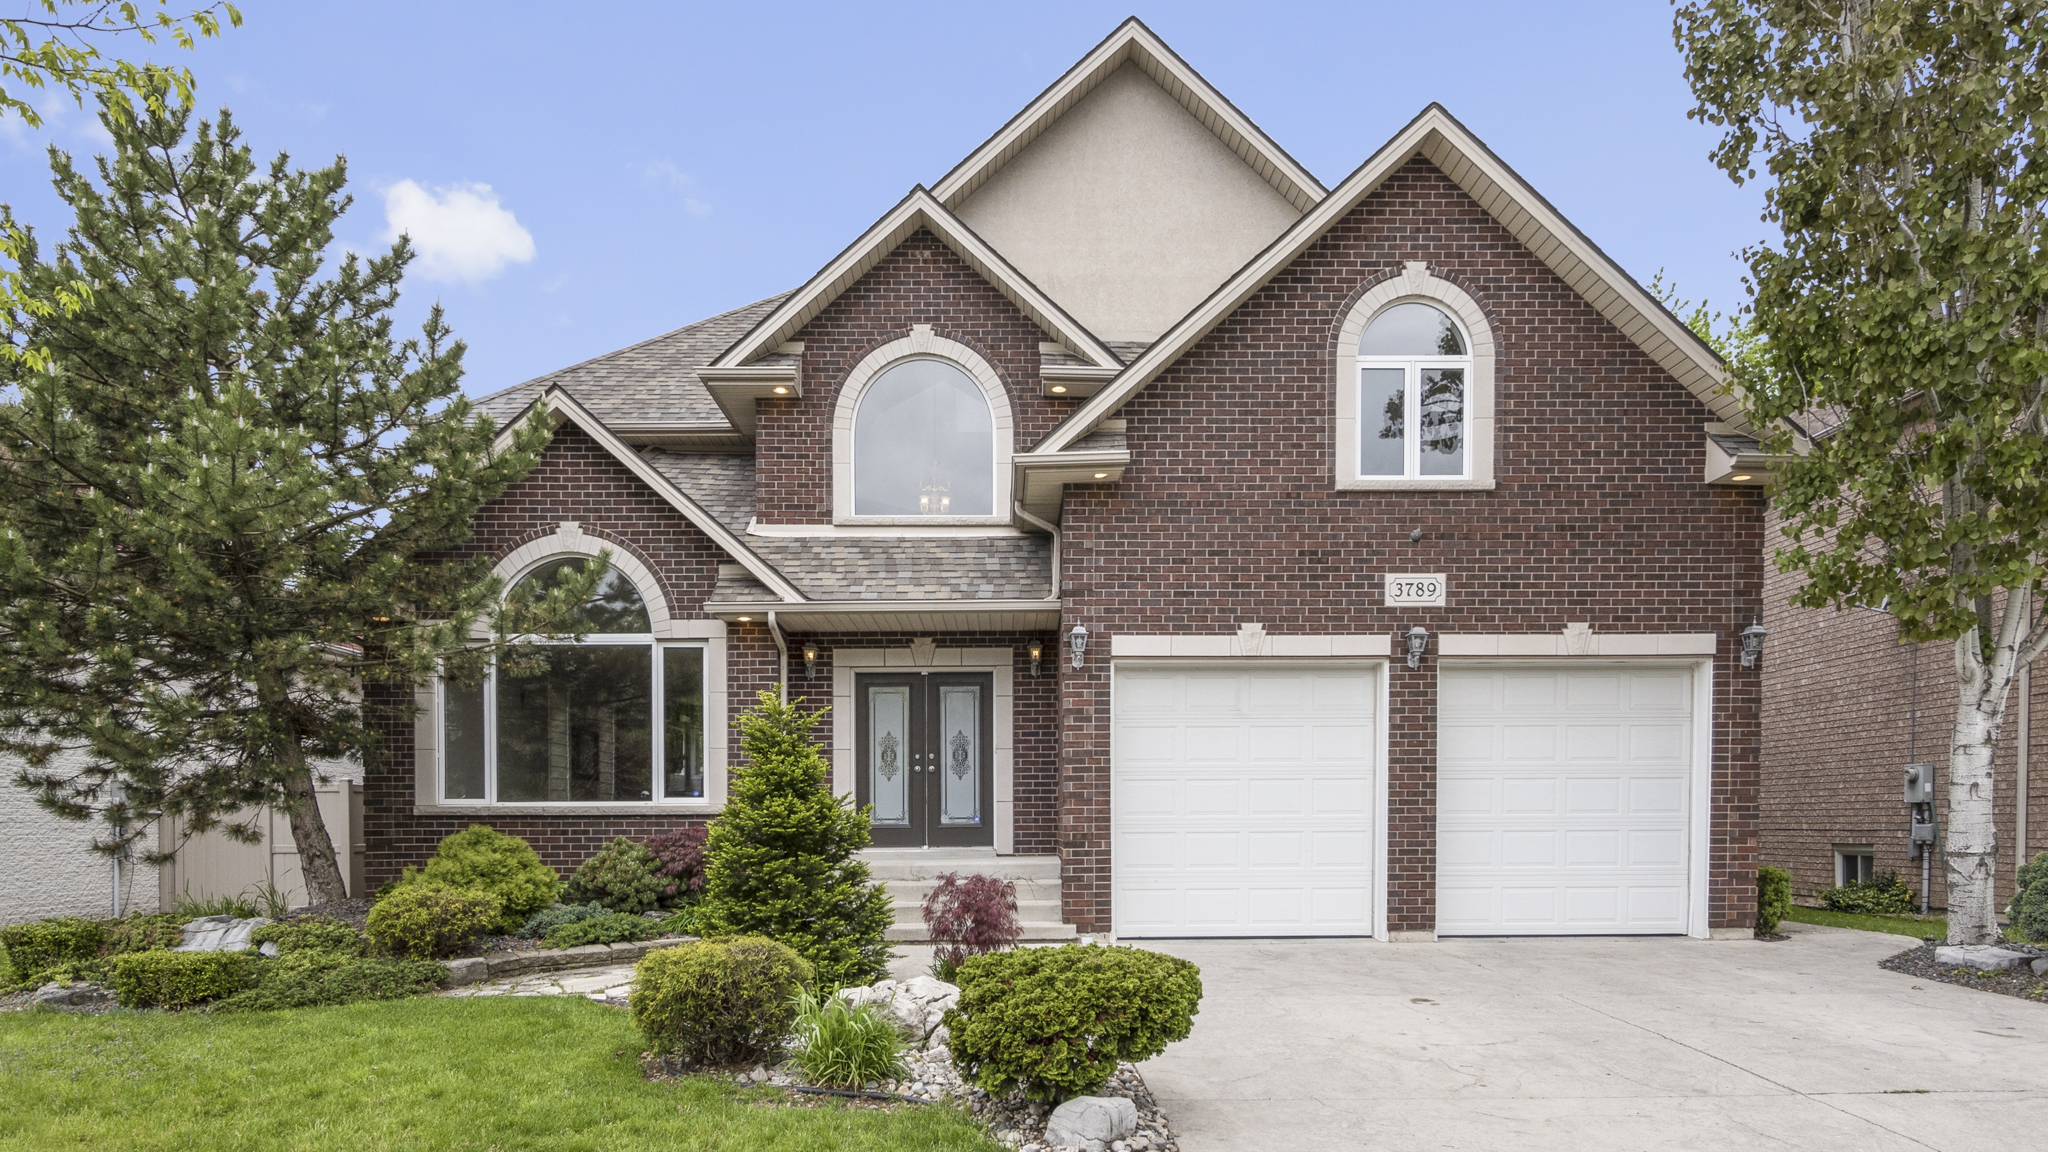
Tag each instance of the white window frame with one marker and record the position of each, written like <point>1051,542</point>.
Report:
<point>922,344</point>
<point>1411,433</point>
<point>1416,284</point>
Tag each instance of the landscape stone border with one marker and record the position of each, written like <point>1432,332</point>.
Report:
<point>505,965</point>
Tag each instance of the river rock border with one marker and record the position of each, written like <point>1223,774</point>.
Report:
<point>506,965</point>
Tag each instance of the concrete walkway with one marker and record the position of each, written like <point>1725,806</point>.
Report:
<point>1596,1043</point>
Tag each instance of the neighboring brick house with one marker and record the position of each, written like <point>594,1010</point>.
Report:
<point>1847,705</point>
<point>1257,558</point>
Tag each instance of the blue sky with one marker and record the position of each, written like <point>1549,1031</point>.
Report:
<point>591,175</point>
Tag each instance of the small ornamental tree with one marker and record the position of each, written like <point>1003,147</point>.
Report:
<point>782,859</point>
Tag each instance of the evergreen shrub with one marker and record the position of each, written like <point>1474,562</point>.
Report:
<point>1057,1021</point>
<point>483,858</point>
<point>1882,895</point>
<point>140,933</point>
<point>164,979</point>
<point>547,920</point>
<point>2029,909</point>
<point>311,934</point>
<point>309,977</point>
<point>424,921</point>
<point>622,876</point>
<point>719,1001</point>
<point>1773,898</point>
<point>782,860</point>
<point>610,928</point>
<point>42,944</point>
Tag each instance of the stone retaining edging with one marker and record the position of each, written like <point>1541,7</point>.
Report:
<point>503,965</point>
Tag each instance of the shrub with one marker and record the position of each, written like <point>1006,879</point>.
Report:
<point>548,919</point>
<point>681,922</point>
<point>2029,910</point>
<point>1773,898</point>
<point>1883,895</point>
<point>161,979</point>
<point>189,907</point>
<point>607,929</point>
<point>841,1046</point>
<point>681,856</point>
<point>428,920</point>
<point>308,977</point>
<point>485,859</point>
<point>969,918</point>
<point>782,860</point>
<point>719,1001</point>
<point>42,944</point>
<point>622,877</point>
<point>1058,1020</point>
<point>141,933</point>
<point>310,934</point>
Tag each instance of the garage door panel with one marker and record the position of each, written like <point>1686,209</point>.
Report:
<point>1563,799</point>
<point>1261,821</point>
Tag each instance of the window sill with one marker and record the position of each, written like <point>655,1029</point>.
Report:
<point>1413,484</point>
<point>908,521</point>
<point>591,808</point>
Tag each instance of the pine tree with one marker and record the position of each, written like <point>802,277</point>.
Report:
<point>782,859</point>
<point>215,477</point>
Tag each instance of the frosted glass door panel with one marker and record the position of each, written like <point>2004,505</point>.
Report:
<point>960,744</point>
<point>889,755</point>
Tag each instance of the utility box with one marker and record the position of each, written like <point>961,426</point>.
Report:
<point>1919,783</point>
<point>1923,832</point>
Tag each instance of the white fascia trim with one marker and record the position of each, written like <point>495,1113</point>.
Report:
<point>1137,44</point>
<point>1138,646</point>
<point>880,531</point>
<point>1575,643</point>
<point>870,607</point>
<point>1511,201</point>
<point>917,210</point>
<point>560,406</point>
<point>921,342</point>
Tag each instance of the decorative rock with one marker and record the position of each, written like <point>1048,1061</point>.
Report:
<point>468,970</point>
<point>1983,957</point>
<point>219,934</point>
<point>269,948</point>
<point>918,1005</point>
<point>1092,1123</point>
<point>2041,966</point>
<point>79,994</point>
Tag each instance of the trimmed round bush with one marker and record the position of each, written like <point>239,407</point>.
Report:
<point>163,979</point>
<point>310,934</point>
<point>610,928</point>
<point>1773,898</point>
<point>483,858</point>
<point>725,1001</point>
<point>1058,1020</point>
<point>423,921</point>
<point>306,978</point>
<point>2029,911</point>
<point>42,944</point>
<point>623,876</point>
<point>1881,895</point>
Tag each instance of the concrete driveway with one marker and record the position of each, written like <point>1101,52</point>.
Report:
<point>1599,1043</point>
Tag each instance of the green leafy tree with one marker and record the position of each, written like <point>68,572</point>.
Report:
<point>782,859</point>
<point>1905,303</point>
<point>214,490</point>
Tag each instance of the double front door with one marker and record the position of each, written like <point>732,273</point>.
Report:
<point>926,757</point>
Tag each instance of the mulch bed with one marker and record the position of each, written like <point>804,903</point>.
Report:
<point>2020,982</point>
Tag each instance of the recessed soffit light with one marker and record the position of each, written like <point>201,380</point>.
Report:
<point>1740,476</point>
<point>781,391</point>
<point>1059,388</point>
<point>1102,475</point>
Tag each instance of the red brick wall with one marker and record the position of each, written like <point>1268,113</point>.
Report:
<point>1228,514</point>
<point>921,282</point>
<point>1846,706</point>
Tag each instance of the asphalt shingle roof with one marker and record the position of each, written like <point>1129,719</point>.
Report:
<point>723,484</point>
<point>917,568</point>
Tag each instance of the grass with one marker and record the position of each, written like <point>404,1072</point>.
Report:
<point>528,1073</point>
<point>1914,926</point>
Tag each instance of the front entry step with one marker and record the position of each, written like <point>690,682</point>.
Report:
<point>910,874</point>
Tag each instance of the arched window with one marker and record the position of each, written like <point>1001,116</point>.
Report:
<point>923,443</point>
<point>1414,370</point>
<point>558,722</point>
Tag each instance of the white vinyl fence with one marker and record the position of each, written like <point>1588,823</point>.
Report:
<point>210,864</point>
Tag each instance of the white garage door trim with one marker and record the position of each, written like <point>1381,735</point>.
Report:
<point>1375,861</point>
<point>1699,841</point>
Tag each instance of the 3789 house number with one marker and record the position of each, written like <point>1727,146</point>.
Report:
<point>1416,590</point>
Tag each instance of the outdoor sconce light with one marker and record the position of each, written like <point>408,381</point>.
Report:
<point>1418,639</point>
<point>1078,639</point>
<point>810,658</point>
<point>1037,653</point>
<point>1753,643</point>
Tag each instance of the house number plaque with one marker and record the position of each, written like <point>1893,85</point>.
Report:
<point>1416,590</point>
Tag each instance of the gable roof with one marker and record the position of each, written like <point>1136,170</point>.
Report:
<point>1134,43</point>
<point>650,385</point>
<point>1438,137</point>
<point>918,210</point>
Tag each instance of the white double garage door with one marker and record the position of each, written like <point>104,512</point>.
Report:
<point>1249,799</point>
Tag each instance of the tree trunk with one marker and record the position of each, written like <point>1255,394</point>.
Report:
<point>1969,834</point>
<point>317,862</point>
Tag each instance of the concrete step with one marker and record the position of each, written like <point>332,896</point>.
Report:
<point>914,891</point>
<point>911,914</point>
<point>910,874</point>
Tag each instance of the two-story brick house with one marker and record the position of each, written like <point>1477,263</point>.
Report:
<point>1256,557</point>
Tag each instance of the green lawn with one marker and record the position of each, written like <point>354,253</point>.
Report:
<point>1933,926</point>
<point>544,1072</point>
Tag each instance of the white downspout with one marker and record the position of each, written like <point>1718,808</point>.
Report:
<point>781,646</point>
<point>1035,522</point>
<point>2019,832</point>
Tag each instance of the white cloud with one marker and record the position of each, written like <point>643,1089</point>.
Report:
<point>677,180</point>
<point>461,232</point>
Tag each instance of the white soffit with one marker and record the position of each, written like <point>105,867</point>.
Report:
<point>918,210</point>
<point>1438,137</point>
<point>561,406</point>
<point>1134,43</point>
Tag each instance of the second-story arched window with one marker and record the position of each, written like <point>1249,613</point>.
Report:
<point>923,443</point>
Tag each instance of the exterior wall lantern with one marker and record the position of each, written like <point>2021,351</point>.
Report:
<point>1037,653</point>
<point>1078,641</point>
<point>1753,643</point>
<point>810,658</point>
<point>1418,639</point>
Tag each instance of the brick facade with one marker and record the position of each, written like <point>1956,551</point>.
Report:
<point>1846,706</point>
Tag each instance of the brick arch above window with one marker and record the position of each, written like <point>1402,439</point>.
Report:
<point>1415,282</point>
<point>921,342</point>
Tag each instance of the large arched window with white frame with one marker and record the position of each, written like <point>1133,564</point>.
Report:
<point>616,717</point>
<point>924,443</point>
<point>1414,375</point>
